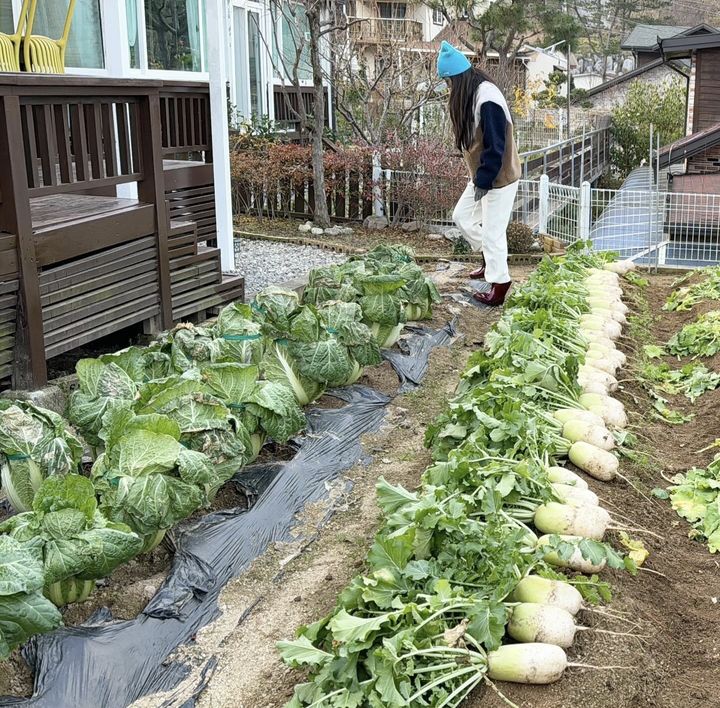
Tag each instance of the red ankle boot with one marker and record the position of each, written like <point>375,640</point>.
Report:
<point>478,274</point>
<point>495,296</point>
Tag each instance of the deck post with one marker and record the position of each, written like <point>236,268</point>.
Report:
<point>217,68</point>
<point>152,191</point>
<point>30,367</point>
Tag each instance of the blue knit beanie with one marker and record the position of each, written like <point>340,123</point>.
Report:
<point>451,62</point>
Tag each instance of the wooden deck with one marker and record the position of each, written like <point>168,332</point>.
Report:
<point>76,261</point>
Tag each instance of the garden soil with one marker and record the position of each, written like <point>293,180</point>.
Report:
<point>672,606</point>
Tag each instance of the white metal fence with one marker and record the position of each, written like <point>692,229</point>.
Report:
<point>652,227</point>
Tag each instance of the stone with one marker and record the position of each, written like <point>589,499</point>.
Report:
<point>346,230</point>
<point>335,231</point>
<point>453,235</point>
<point>305,228</point>
<point>411,226</point>
<point>628,65</point>
<point>52,397</point>
<point>434,237</point>
<point>315,231</point>
<point>375,223</point>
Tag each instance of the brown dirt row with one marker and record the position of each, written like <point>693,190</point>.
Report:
<point>675,607</point>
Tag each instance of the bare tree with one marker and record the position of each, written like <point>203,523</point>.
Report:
<point>380,88</point>
<point>604,23</point>
<point>306,27</point>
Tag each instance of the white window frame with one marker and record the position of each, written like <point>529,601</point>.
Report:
<point>437,17</point>
<point>80,71</point>
<point>168,74</point>
<point>266,68</point>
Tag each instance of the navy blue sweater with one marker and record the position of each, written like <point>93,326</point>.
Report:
<point>494,128</point>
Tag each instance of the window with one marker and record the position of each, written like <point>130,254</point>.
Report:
<point>249,85</point>
<point>174,30</point>
<point>438,18</point>
<point>291,41</point>
<point>254,59</point>
<point>133,32</point>
<point>392,10</point>
<point>7,23</point>
<point>85,45</point>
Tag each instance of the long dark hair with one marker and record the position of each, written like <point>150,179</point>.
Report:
<point>461,104</point>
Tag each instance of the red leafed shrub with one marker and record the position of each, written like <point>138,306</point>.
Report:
<point>426,179</point>
<point>275,178</point>
<point>425,182</point>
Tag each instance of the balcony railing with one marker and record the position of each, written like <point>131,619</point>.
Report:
<point>378,30</point>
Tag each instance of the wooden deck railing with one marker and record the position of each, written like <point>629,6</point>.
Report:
<point>76,261</point>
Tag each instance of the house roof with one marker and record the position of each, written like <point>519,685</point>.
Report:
<point>700,37</point>
<point>689,146</point>
<point>456,32</point>
<point>645,37</point>
<point>634,74</point>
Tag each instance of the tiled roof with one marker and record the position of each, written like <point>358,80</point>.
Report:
<point>646,36</point>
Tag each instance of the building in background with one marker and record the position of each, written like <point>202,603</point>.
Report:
<point>696,157</point>
<point>643,42</point>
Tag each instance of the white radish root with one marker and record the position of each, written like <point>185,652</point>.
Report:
<point>534,622</point>
<point>534,588</point>
<point>574,496</point>
<point>563,519</point>
<point>561,475</point>
<point>596,435</point>
<point>600,464</point>
<point>564,415</point>
<point>533,663</point>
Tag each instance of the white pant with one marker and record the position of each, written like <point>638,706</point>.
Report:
<point>484,225</point>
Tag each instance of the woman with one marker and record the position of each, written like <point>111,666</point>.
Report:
<point>484,133</point>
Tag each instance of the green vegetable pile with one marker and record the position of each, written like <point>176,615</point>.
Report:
<point>390,288</point>
<point>168,424</point>
<point>695,495</point>
<point>425,622</point>
<point>691,380</point>
<point>699,338</point>
<point>685,298</point>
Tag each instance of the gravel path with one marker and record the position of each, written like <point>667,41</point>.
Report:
<point>265,263</point>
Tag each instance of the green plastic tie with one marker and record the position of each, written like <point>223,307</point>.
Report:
<point>242,337</point>
<point>17,458</point>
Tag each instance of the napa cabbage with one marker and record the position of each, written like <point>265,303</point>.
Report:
<point>104,388</point>
<point>265,408</point>
<point>242,338</point>
<point>34,444</point>
<point>206,423</point>
<point>76,543</point>
<point>24,611</point>
<point>146,478</point>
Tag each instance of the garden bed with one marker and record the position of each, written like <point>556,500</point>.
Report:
<point>673,663</point>
<point>671,605</point>
<point>129,588</point>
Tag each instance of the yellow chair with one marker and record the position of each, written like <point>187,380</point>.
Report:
<point>42,54</point>
<point>10,43</point>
